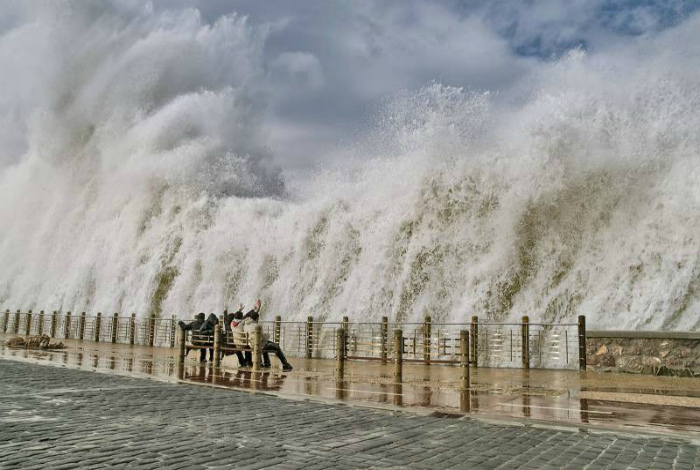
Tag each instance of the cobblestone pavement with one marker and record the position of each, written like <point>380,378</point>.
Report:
<point>52,417</point>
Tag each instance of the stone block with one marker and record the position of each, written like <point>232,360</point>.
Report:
<point>629,363</point>
<point>651,361</point>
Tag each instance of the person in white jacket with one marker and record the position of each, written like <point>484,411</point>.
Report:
<point>249,322</point>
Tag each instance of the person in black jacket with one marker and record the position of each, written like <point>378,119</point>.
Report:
<point>195,327</point>
<point>208,326</point>
<point>207,329</point>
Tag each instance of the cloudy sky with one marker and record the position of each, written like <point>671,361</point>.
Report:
<point>329,66</point>
<point>331,63</point>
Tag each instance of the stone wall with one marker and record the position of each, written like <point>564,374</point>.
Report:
<point>657,353</point>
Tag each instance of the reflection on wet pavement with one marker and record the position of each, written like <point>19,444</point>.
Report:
<point>667,404</point>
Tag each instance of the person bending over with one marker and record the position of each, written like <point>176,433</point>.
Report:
<point>195,327</point>
<point>207,330</point>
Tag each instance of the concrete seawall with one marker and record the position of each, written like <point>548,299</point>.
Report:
<point>644,352</point>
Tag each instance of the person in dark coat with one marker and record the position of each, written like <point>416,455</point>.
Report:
<point>195,327</point>
<point>209,325</point>
<point>207,329</point>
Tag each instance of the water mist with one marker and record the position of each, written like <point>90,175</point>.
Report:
<point>136,177</point>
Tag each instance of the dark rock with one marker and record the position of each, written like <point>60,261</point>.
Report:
<point>665,372</point>
<point>608,360</point>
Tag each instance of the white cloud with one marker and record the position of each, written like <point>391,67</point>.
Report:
<point>330,64</point>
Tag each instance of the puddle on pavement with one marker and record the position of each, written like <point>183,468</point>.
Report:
<point>545,395</point>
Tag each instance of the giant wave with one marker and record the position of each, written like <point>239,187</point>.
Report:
<point>136,177</point>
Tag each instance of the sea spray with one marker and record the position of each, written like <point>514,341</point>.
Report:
<point>142,182</point>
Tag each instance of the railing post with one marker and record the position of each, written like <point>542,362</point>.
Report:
<point>526,342</point>
<point>81,334</point>
<point>54,318</point>
<point>115,323</point>
<point>384,334</point>
<point>7,320</point>
<point>217,344</point>
<point>582,342</point>
<point>152,331</point>
<point>340,352</point>
<point>173,323</point>
<point>346,332</point>
<point>28,326</point>
<point>41,323</point>
<point>464,358</point>
<point>278,329</point>
<point>257,340</point>
<point>398,356</point>
<point>66,329</point>
<point>132,329</point>
<point>98,326</point>
<point>15,327</point>
<point>309,337</point>
<point>182,337</point>
<point>426,339</point>
<point>474,333</point>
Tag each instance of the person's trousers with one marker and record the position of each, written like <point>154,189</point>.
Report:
<point>275,348</point>
<point>241,358</point>
<point>203,354</point>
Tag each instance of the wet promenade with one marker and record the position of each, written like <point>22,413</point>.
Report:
<point>664,405</point>
<point>64,418</point>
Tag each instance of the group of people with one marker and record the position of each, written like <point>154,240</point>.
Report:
<point>235,325</point>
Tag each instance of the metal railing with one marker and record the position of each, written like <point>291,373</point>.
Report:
<point>548,345</point>
<point>524,344</point>
<point>118,329</point>
<point>497,344</point>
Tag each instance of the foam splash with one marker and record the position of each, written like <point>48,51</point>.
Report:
<point>137,179</point>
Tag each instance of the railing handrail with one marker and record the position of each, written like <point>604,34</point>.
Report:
<point>165,318</point>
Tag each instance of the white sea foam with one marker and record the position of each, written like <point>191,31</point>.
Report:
<point>135,177</point>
